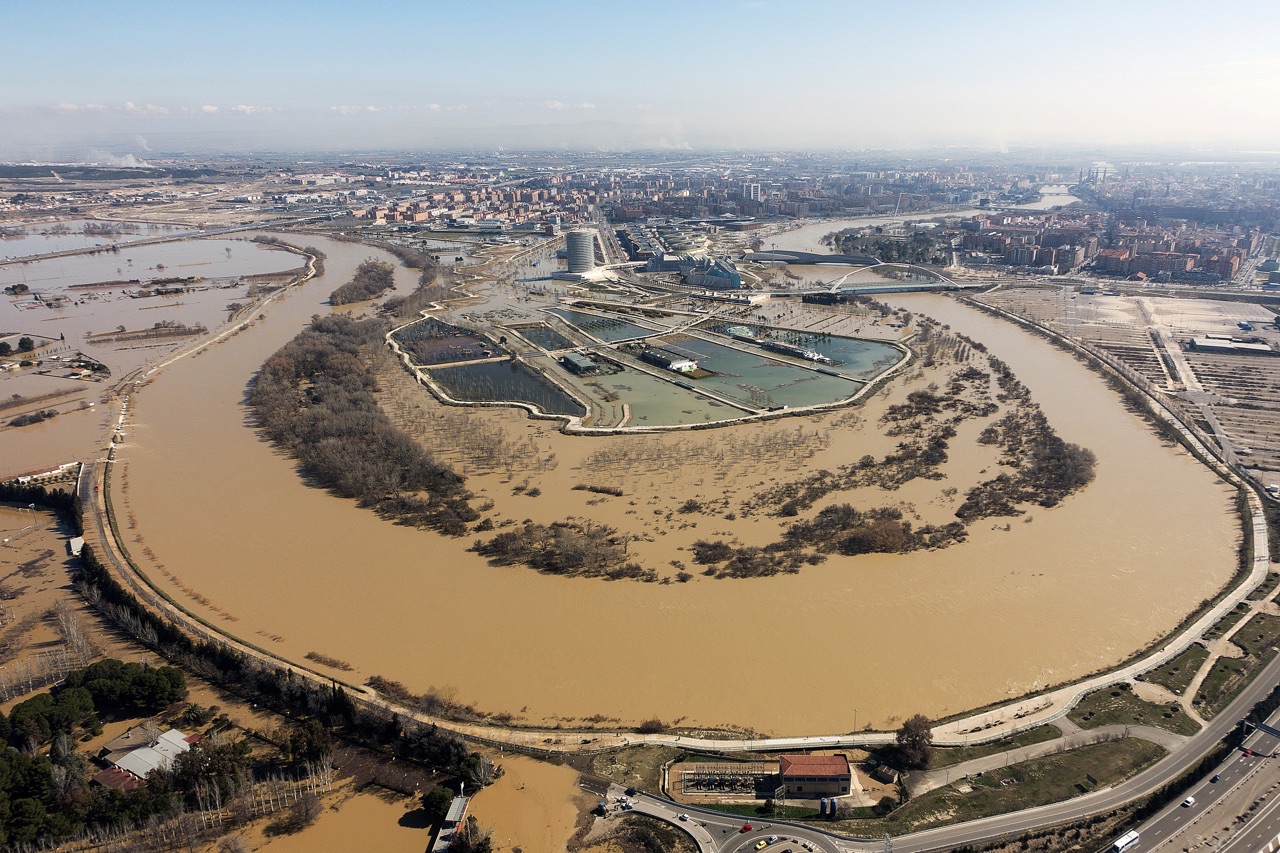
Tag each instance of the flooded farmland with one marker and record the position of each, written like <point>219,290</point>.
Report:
<point>505,380</point>
<point>135,265</point>
<point>604,328</point>
<point>20,240</point>
<point>649,401</point>
<point>470,367</point>
<point>1018,606</point>
<point>109,309</point>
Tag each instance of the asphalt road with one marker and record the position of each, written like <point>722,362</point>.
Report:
<point>1100,801</point>
<point>1234,770</point>
<point>721,833</point>
<point>1262,833</point>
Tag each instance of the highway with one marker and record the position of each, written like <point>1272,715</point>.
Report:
<point>1240,812</point>
<point>1178,817</point>
<point>1261,833</point>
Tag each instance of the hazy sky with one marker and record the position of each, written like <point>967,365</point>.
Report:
<point>86,79</point>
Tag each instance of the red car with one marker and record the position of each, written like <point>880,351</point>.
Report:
<point>1248,753</point>
<point>746,827</point>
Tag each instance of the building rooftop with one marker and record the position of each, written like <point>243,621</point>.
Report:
<point>579,362</point>
<point>118,779</point>
<point>457,809</point>
<point>813,765</point>
<point>1215,343</point>
<point>130,752</point>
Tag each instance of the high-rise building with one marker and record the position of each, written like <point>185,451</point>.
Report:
<point>751,192</point>
<point>580,247</point>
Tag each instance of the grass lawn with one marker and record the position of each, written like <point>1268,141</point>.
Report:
<point>1228,677</point>
<point>634,766</point>
<point>1034,783</point>
<point>1225,624</point>
<point>1259,636</point>
<point>947,756</point>
<point>1117,706</point>
<point>1177,673</point>
<point>1264,588</point>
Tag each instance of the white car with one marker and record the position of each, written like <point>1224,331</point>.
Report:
<point>1188,802</point>
<point>683,816</point>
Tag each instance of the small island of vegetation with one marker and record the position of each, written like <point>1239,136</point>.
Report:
<point>372,279</point>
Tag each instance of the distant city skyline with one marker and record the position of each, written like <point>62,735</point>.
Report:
<point>114,81</point>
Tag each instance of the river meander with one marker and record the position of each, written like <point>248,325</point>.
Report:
<point>1076,589</point>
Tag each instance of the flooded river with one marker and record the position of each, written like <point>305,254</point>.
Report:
<point>880,637</point>
<point>66,314</point>
<point>808,238</point>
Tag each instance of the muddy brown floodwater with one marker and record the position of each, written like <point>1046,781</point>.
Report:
<point>880,637</point>
<point>532,807</point>
<point>360,822</point>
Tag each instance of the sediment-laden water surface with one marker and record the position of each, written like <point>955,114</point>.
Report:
<point>533,806</point>
<point>1020,605</point>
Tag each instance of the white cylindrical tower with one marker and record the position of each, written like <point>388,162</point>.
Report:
<point>580,247</point>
